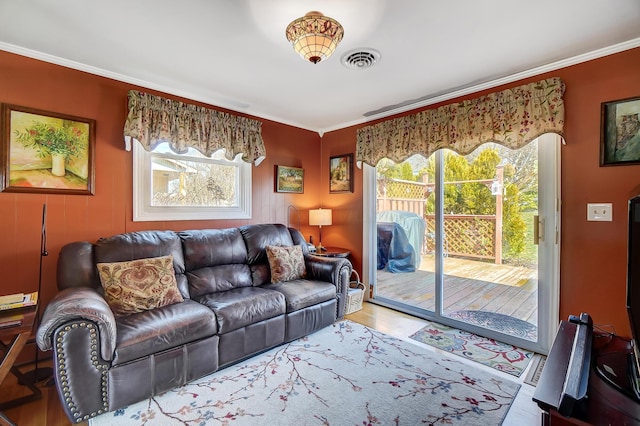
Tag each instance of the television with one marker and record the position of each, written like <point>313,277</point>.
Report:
<point>633,293</point>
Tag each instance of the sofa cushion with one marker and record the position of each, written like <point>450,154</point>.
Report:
<point>140,245</point>
<point>215,260</point>
<point>149,332</point>
<point>300,294</point>
<point>218,278</point>
<point>257,238</point>
<point>212,247</point>
<point>286,263</point>
<point>143,245</point>
<point>240,307</point>
<point>139,285</point>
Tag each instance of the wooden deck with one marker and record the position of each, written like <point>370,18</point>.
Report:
<point>468,285</point>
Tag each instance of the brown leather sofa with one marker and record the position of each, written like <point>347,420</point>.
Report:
<point>231,311</point>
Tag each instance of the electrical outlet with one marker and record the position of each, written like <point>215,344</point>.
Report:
<point>600,212</point>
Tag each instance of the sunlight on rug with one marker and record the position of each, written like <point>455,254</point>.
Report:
<point>343,374</point>
<point>500,356</point>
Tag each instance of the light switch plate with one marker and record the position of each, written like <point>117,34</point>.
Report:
<point>600,212</point>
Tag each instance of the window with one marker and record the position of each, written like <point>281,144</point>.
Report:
<point>436,290</point>
<point>189,186</point>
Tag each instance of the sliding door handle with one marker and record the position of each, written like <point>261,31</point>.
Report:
<point>538,230</point>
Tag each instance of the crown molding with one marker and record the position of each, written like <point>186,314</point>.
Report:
<point>610,50</point>
<point>218,100</point>
<point>231,105</point>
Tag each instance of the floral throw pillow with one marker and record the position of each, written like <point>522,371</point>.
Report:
<point>286,263</point>
<point>139,285</point>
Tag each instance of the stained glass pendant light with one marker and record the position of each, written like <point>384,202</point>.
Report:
<point>314,36</point>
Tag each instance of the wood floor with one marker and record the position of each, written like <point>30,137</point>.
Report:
<point>468,285</point>
<point>45,412</point>
<point>523,412</point>
<point>49,412</point>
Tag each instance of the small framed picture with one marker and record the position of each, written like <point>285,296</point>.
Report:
<point>289,179</point>
<point>46,152</point>
<point>620,132</point>
<point>341,173</point>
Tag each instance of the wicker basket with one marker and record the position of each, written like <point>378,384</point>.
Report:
<point>355,295</point>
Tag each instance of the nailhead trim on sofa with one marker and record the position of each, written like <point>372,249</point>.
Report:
<point>62,372</point>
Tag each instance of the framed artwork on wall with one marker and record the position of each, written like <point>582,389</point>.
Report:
<point>289,179</point>
<point>341,173</point>
<point>46,152</point>
<point>620,132</point>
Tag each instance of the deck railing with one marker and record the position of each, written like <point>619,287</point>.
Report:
<point>467,236</point>
<point>408,196</point>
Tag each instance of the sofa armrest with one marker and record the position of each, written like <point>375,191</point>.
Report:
<point>336,270</point>
<point>79,303</point>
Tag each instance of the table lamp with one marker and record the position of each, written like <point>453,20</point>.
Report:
<point>320,217</point>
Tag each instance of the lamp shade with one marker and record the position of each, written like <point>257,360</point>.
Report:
<point>320,217</point>
<point>314,36</point>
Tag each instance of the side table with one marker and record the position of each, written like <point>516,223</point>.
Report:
<point>333,252</point>
<point>16,326</point>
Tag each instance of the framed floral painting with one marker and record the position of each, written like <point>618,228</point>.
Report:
<point>46,152</point>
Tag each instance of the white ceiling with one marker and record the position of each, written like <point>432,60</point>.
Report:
<point>234,54</point>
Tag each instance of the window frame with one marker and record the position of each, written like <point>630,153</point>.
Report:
<point>143,210</point>
<point>549,193</point>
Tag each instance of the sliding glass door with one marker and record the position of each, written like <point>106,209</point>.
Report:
<point>469,241</point>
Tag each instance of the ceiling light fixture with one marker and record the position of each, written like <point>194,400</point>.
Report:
<point>314,36</point>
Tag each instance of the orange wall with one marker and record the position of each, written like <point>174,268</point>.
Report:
<point>41,85</point>
<point>346,230</point>
<point>593,254</point>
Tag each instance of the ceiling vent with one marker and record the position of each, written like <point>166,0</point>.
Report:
<point>360,58</point>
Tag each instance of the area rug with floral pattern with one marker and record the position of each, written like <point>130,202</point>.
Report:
<point>345,374</point>
<point>501,356</point>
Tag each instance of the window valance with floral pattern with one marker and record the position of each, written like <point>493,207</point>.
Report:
<point>512,117</point>
<point>153,119</point>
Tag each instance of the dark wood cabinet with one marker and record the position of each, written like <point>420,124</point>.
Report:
<point>609,398</point>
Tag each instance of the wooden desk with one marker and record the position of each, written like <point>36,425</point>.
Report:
<point>16,336</point>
